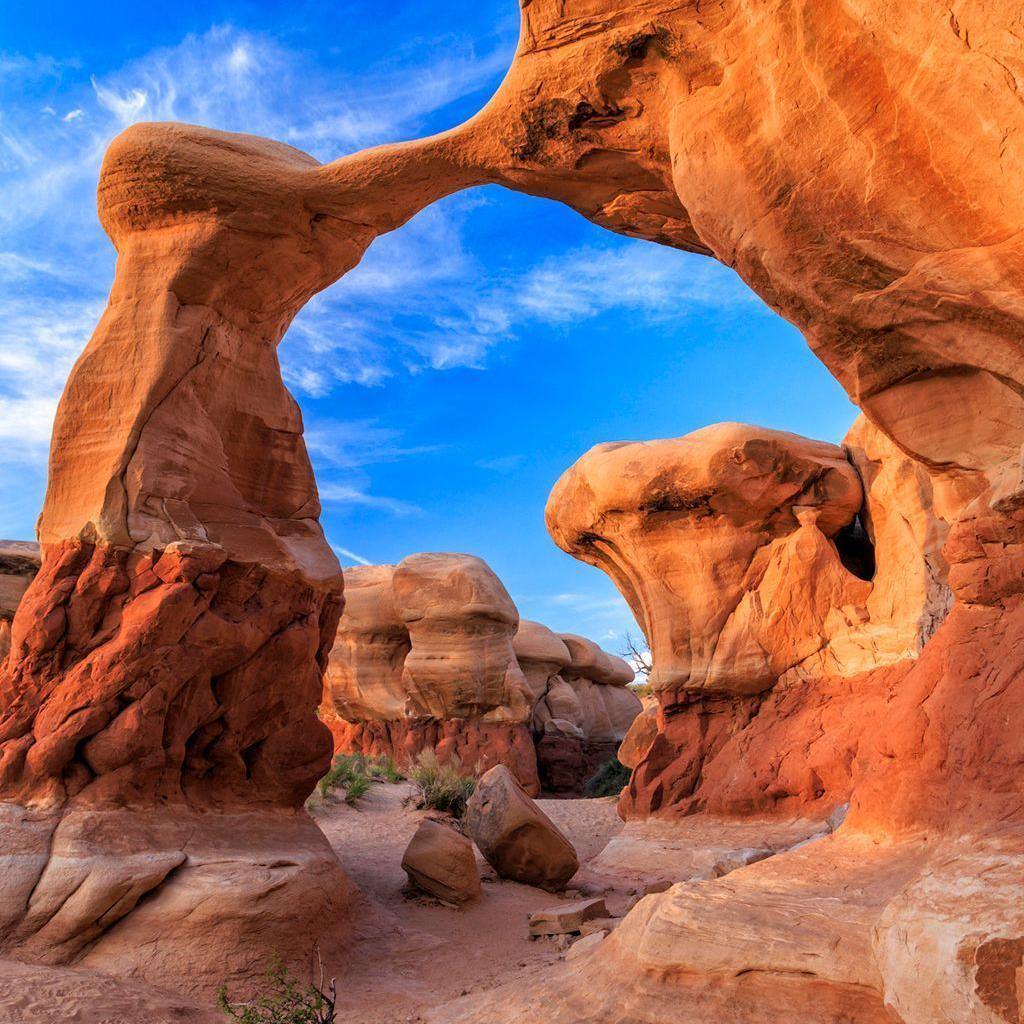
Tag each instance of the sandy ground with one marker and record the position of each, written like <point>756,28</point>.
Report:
<point>411,954</point>
<point>408,954</point>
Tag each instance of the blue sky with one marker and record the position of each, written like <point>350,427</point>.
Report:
<point>449,380</point>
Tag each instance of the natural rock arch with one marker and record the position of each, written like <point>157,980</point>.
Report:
<point>856,162</point>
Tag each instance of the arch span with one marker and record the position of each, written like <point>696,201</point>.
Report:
<point>857,164</point>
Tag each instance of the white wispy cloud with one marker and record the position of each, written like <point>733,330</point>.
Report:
<point>350,555</point>
<point>345,494</point>
<point>15,265</point>
<point>55,262</point>
<point>503,463</point>
<point>38,345</point>
<point>402,309</point>
<point>587,602</point>
<point>349,444</point>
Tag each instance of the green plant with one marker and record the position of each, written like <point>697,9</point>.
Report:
<point>343,769</point>
<point>384,768</point>
<point>285,1001</point>
<point>609,780</point>
<point>442,787</point>
<point>356,788</point>
<point>355,772</point>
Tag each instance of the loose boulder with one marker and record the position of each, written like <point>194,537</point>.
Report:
<point>440,861</point>
<point>567,918</point>
<point>518,839</point>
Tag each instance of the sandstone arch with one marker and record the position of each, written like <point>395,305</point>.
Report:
<point>859,164</point>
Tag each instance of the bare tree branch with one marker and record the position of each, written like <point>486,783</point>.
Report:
<point>638,656</point>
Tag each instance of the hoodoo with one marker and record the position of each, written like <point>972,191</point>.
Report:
<point>158,729</point>
<point>432,654</point>
<point>859,165</point>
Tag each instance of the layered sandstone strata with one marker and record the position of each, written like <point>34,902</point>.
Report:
<point>584,714</point>
<point>431,653</point>
<point>861,170</point>
<point>158,729</point>
<point>765,575</point>
<point>423,659</point>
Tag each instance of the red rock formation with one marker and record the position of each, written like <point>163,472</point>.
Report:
<point>582,708</point>
<point>423,659</point>
<point>157,709</point>
<point>860,169</point>
<point>859,166</point>
<point>713,539</point>
<point>745,555</point>
<point>479,746</point>
<point>364,671</point>
<point>461,622</point>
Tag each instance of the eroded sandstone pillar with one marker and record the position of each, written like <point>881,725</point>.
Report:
<point>423,659</point>
<point>158,729</point>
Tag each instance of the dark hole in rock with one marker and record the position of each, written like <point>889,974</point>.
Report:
<point>856,551</point>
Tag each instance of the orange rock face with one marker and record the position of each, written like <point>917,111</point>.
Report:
<point>364,673</point>
<point>713,539</point>
<point>423,659</point>
<point>165,665</point>
<point>431,654</point>
<point>856,168</point>
<point>461,622</point>
<point>859,166</point>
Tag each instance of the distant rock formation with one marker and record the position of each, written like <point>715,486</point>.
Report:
<point>584,713</point>
<point>431,653</point>
<point>423,659</point>
<point>19,563</point>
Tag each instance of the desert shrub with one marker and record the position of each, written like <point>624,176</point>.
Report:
<point>354,773</point>
<point>347,772</point>
<point>356,788</point>
<point>441,787</point>
<point>284,1000</point>
<point>609,780</point>
<point>343,770</point>
<point>384,769</point>
<point>641,689</point>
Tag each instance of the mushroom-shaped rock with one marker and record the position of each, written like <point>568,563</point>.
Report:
<point>541,654</point>
<point>593,675</point>
<point>422,660</point>
<point>440,861</point>
<point>364,673</point>
<point>590,661</point>
<point>167,662</point>
<point>461,622</point>
<point>721,542</point>
<point>515,836</point>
